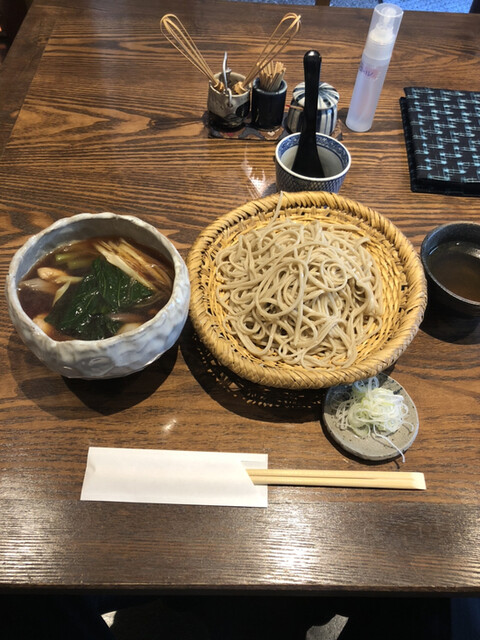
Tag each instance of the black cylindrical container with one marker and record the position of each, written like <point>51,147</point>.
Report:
<point>268,106</point>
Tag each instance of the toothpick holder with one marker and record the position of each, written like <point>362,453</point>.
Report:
<point>268,107</point>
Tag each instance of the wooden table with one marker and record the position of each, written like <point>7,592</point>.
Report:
<point>100,113</point>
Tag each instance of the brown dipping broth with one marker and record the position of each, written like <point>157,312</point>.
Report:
<point>35,303</point>
<point>456,266</point>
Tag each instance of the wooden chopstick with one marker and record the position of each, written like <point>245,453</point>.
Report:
<point>314,478</point>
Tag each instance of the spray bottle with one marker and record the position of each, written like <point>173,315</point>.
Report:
<point>376,56</point>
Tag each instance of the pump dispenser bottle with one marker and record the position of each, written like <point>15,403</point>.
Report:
<point>376,56</point>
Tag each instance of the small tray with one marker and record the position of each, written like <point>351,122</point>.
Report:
<point>247,132</point>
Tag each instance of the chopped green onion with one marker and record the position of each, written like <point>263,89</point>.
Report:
<point>373,411</point>
<point>80,263</point>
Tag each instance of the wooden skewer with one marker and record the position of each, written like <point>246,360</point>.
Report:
<point>175,32</point>
<point>270,78</point>
<point>314,478</point>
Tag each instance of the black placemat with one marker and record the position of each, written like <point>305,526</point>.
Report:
<point>442,137</point>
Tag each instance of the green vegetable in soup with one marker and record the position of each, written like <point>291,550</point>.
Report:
<point>83,310</point>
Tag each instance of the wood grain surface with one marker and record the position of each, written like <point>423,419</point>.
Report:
<point>99,113</point>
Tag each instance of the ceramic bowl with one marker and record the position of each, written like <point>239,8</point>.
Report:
<point>335,159</point>
<point>450,256</point>
<point>119,355</point>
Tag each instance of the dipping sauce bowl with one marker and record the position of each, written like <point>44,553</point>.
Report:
<point>335,160</point>
<point>450,256</point>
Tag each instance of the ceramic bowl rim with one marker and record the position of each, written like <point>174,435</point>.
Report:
<point>262,92</point>
<point>238,77</point>
<point>425,251</point>
<point>301,177</point>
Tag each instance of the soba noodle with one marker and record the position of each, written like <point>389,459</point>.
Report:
<point>301,293</point>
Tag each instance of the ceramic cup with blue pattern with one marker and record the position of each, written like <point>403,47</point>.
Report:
<point>335,160</point>
<point>327,106</point>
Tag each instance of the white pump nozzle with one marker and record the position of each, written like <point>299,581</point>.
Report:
<point>383,31</point>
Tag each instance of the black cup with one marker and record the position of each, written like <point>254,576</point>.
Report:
<point>268,107</point>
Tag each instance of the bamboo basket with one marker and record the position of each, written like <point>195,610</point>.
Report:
<point>403,280</point>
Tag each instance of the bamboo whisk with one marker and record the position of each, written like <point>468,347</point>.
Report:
<point>178,36</point>
<point>284,32</point>
<point>175,32</point>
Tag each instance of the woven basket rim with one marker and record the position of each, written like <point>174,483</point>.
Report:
<point>297,377</point>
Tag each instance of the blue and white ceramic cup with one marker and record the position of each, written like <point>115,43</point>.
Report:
<point>327,107</point>
<point>335,159</point>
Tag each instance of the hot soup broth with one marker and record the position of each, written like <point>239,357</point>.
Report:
<point>95,289</point>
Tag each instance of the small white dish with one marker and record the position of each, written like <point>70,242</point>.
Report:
<point>370,448</point>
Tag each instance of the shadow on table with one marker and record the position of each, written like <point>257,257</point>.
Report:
<point>106,397</point>
<point>111,396</point>
<point>242,397</point>
<point>443,324</point>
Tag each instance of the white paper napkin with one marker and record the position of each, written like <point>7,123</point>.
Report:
<point>173,477</point>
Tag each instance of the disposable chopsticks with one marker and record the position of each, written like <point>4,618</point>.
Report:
<point>314,478</point>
